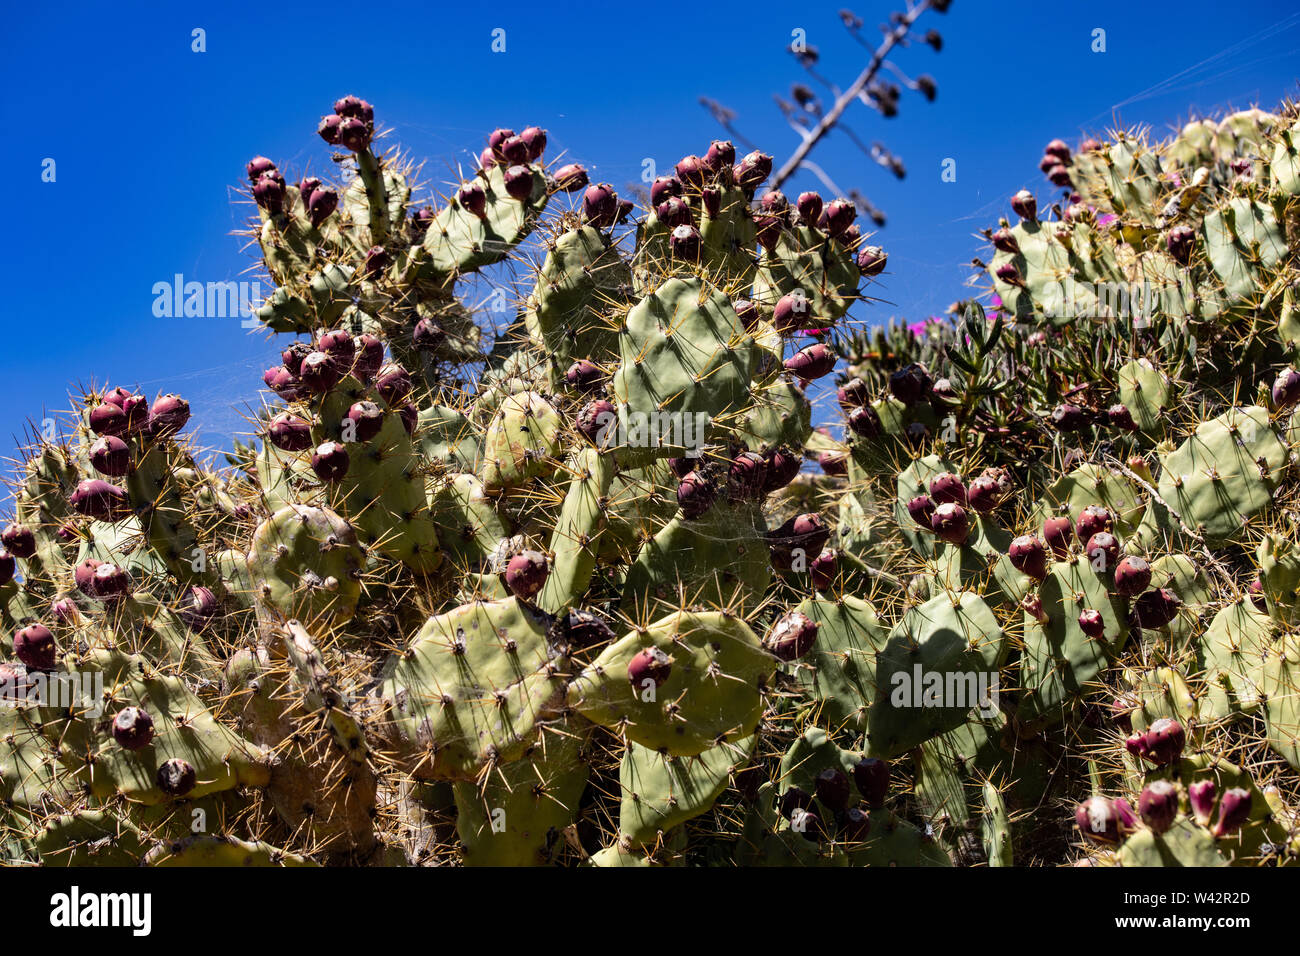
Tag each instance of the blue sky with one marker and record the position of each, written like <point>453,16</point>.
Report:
<point>150,138</point>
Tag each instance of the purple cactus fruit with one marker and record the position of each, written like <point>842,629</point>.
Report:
<point>1047,162</point>
<point>1125,817</point>
<point>199,607</point>
<point>320,372</point>
<point>663,189</point>
<point>107,419</point>
<point>136,410</point>
<point>1256,591</point>
<point>808,824</point>
<point>571,178</point>
<point>684,243</point>
<point>1158,805</point>
<point>109,582</point>
<point>1059,149</point>
<point>581,629</point>
<point>673,212</point>
<point>950,524</point>
<point>369,357</point>
<point>176,777</point>
<point>1028,555</point>
<point>288,432</point>
<point>809,205</point>
<point>354,134</point>
<point>307,186</point>
<point>750,172</point>
<point>872,260</point>
<point>96,498</point>
<point>625,208</point>
<point>596,421</point>
<point>774,203</point>
<point>720,155</point>
<point>268,192</point>
<point>421,219</point>
<point>747,476</point>
<point>695,494</point>
<point>282,381</point>
<point>838,215</point>
<point>872,778</point>
<point>428,334</point>
<point>851,236</point>
<point>911,383</point>
<point>409,416</point>
<point>921,510</point>
<point>1092,623</point>
<point>496,141</point>
<point>534,139</point>
<point>856,825</point>
<point>1164,741</point>
<point>833,789</point>
<point>781,467</point>
<point>600,205</point>
<point>1057,532</point>
<point>330,461</point>
<point>790,312</point>
<point>1059,176</point>
<point>259,166</point>
<point>947,488</point>
<point>794,799</point>
<point>83,575</point>
<point>812,362</point>
<point>1093,519</point>
<point>1008,273</point>
<point>1102,551</point>
<point>19,540</point>
<point>1032,604</point>
<point>649,665</point>
<point>367,420</point>
<point>865,422</point>
<point>133,728</point>
<point>1286,388</point>
<point>1180,241</point>
<point>1234,811</point>
<point>1025,205</point>
<point>7,567</point>
<point>791,636</point>
<point>1132,576</point>
<point>525,574</point>
<point>1097,821</point>
<point>34,645</point>
<point>377,262</point>
<point>119,396</point>
<point>768,230</point>
<point>711,196</point>
<point>355,107</point>
<point>834,463</point>
<point>1201,797</point>
<point>585,376</point>
<point>167,415</point>
<point>1120,417</point>
<point>825,570</point>
<point>690,170</point>
<point>322,205</point>
<point>514,151</point>
<point>747,312</point>
<point>110,456</point>
<point>1005,240</point>
<point>485,159</point>
<point>984,494</point>
<point>519,182</point>
<point>393,383</point>
<point>1155,609</point>
<point>853,394</point>
<point>329,128</point>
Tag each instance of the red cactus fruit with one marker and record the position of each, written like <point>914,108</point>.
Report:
<point>812,362</point>
<point>791,636</point>
<point>19,540</point>
<point>1132,575</point>
<point>947,488</point>
<point>111,456</point>
<point>824,570</point>
<point>1092,519</point>
<point>1098,821</point>
<point>871,776</point>
<point>1025,205</point>
<point>1158,805</point>
<point>950,523</point>
<point>1028,555</point>
<point>695,494</point>
<point>1234,811</point>
<point>649,665</point>
<point>1201,797</point>
<point>96,498</point>
<point>525,574</point>
<point>809,205</point>
<point>367,420</point>
<point>921,509</point>
<point>571,178</point>
<point>1102,550</point>
<point>133,728</point>
<point>864,421</point>
<point>35,646</point>
<point>871,261</point>
<point>1057,533</point>
<point>1092,623</point>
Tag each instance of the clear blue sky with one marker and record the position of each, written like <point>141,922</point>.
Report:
<point>150,138</point>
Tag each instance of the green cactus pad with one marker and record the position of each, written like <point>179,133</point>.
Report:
<point>662,792</point>
<point>304,563</point>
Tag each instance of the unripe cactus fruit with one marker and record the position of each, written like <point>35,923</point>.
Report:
<point>871,775</point>
<point>109,455</point>
<point>1028,555</point>
<point>947,488</point>
<point>1025,205</point>
<point>330,461</point>
<point>133,728</point>
<point>19,540</point>
<point>288,432</point>
<point>950,523</point>
<point>525,574</point>
<point>791,636</point>
<point>1098,821</point>
<point>1158,805</point>
<point>1234,811</point>
<point>833,789</point>
<point>176,777</point>
<point>649,665</point>
<point>1132,575</point>
<point>35,646</point>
